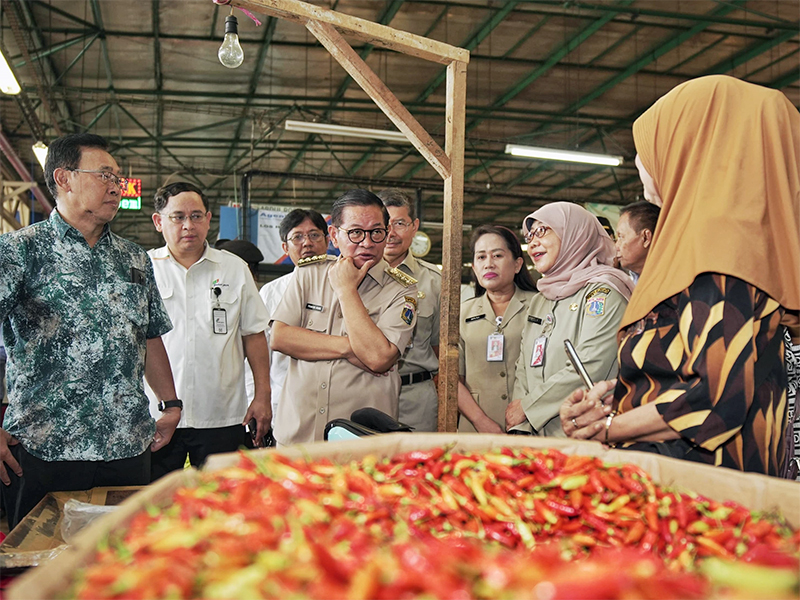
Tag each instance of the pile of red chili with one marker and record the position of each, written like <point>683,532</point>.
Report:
<point>506,523</point>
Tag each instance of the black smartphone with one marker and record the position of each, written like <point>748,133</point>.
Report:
<point>268,441</point>
<point>576,362</point>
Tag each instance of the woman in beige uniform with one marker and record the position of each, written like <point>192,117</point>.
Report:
<point>491,324</point>
<point>581,298</point>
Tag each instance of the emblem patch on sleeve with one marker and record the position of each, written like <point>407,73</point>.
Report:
<point>596,305</point>
<point>408,310</point>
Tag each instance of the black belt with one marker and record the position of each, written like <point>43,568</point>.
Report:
<point>412,378</point>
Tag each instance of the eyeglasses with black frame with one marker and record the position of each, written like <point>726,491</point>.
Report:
<point>180,218</point>
<point>313,237</point>
<point>537,232</point>
<point>356,236</point>
<point>105,176</point>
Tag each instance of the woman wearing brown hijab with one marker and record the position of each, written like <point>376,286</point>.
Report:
<point>702,373</point>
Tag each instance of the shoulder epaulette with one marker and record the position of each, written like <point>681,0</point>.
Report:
<point>430,266</point>
<point>312,260</point>
<point>400,277</point>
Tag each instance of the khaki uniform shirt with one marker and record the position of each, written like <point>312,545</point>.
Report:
<point>589,319</point>
<point>491,383</point>
<point>316,392</point>
<point>419,402</point>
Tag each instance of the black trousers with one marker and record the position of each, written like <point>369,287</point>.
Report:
<point>198,444</point>
<point>41,476</point>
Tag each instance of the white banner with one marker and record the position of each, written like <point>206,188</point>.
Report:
<point>269,239</point>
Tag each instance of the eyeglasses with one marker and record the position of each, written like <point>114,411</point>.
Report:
<point>539,232</point>
<point>400,225</point>
<point>179,218</point>
<point>105,176</point>
<point>357,236</point>
<point>313,237</point>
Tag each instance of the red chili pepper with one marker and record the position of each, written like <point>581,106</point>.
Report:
<point>651,514</point>
<point>649,540</point>
<point>611,481</point>
<point>562,509</point>
<point>635,533</point>
<point>576,499</point>
<point>632,485</point>
<point>708,546</point>
<point>595,483</point>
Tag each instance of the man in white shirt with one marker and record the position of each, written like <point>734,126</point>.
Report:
<point>304,234</point>
<point>219,321</point>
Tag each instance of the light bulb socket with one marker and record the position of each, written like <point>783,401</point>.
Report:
<point>231,25</point>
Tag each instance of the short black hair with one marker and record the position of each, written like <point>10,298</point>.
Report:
<point>163,194</point>
<point>396,197</point>
<point>642,215</point>
<point>357,197</point>
<point>66,152</point>
<point>523,279</point>
<point>297,216</point>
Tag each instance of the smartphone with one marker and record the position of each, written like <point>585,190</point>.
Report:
<point>576,362</point>
<point>268,441</point>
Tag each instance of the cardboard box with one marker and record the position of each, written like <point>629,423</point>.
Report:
<point>37,538</point>
<point>757,492</point>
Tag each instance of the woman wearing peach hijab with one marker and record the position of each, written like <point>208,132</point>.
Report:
<point>702,373</point>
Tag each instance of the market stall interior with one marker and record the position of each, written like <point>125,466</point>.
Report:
<point>568,76</point>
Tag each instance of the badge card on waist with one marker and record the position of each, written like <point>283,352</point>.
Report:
<point>494,347</point>
<point>537,356</point>
<point>220,320</point>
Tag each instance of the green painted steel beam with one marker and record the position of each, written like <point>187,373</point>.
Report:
<point>729,64</point>
<point>694,55</point>
<point>771,63</point>
<point>75,60</point>
<point>786,80</point>
<point>528,35</point>
<point>653,55</point>
<point>97,117</point>
<point>615,45</point>
<point>49,51</point>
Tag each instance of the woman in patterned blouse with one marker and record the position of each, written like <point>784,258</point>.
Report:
<point>702,374</point>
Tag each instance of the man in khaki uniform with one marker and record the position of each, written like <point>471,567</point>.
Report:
<point>419,402</point>
<point>345,321</point>
<point>545,377</point>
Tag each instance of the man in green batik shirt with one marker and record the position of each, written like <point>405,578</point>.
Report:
<point>82,321</point>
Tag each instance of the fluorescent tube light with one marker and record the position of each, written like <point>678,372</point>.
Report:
<point>8,83</point>
<point>40,150</point>
<point>565,155</point>
<point>358,132</point>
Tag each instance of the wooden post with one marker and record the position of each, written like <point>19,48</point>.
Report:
<point>451,246</point>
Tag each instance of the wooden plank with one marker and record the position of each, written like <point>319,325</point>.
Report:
<point>361,29</point>
<point>21,188</point>
<point>451,246</point>
<point>382,95</point>
<point>10,219</point>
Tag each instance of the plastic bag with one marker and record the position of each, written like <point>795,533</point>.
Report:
<point>78,515</point>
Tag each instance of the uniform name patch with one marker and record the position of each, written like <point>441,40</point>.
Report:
<point>595,305</point>
<point>532,319</point>
<point>475,318</point>
<point>317,307</point>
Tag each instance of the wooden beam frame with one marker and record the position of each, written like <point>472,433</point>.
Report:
<point>328,26</point>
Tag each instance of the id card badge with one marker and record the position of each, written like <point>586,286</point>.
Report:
<point>494,347</point>
<point>220,320</point>
<point>537,356</point>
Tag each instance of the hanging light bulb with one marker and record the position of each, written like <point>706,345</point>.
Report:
<point>230,52</point>
<point>40,151</point>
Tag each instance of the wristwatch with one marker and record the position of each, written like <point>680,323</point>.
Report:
<point>165,404</point>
